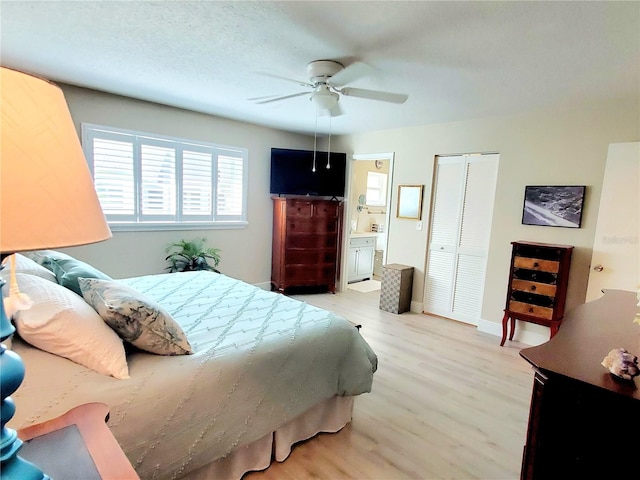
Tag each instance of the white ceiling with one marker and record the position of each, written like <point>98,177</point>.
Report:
<point>455,60</point>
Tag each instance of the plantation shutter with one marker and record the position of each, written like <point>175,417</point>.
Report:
<point>197,184</point>
<point>229,198</point>
<point>113,174</point>
<point>158,180</point>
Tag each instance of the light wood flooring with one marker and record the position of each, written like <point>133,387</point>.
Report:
<point>447,403</point>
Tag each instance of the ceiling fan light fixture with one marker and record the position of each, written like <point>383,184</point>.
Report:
<point>324,99</point>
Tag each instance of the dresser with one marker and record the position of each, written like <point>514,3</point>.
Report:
<point>306,241</point>
<point>583,421</point>
<point>537,290</point>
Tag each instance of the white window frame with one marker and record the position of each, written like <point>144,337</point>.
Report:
<point>179,221</point>
<point>376,189</point>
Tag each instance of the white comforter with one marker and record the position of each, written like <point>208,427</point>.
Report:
<point>261,359</point>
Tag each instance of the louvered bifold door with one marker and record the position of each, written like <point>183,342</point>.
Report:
<point>475,231</point>
<point>459,236</point>
<point>444,234</point>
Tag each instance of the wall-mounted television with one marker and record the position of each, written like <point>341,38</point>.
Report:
<point>292,173</point>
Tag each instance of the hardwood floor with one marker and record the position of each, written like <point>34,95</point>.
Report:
<point>447,403</point>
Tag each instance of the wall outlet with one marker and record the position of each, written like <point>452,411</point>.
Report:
<point>419,225</point>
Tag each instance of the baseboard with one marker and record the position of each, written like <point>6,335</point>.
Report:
<point>263,285</point>
<point>416,307</point>
<point>521,335</point>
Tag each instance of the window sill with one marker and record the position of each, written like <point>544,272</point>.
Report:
<point>151,227</point>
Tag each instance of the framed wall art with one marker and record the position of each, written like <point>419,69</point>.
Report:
<point>553,206</point>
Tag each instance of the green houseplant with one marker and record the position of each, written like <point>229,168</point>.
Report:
<point>187,256</point>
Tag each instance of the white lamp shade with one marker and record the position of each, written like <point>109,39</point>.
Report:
<point>47,197</point>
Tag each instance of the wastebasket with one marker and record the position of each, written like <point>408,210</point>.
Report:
<point>395,291</point>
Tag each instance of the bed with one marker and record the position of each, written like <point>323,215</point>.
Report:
<point>264,371</point>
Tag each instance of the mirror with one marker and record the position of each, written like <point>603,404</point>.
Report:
<point>410,201</point>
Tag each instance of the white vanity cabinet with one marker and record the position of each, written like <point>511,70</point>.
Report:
<point>361,254</point>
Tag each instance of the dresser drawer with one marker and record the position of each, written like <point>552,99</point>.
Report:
<point>310,256</point>
<point>533,310</point>
<point>303,241</point>
<point>312,225</point>
<point>299,208</point>
<point>534,287</point>
<point>538,251</point>
<point>326,210</point>
<point>362,241</point>
<point>536,264</point>
<point>532,298</point>
<point>535,276</point>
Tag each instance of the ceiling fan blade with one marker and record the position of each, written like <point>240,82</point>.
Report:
<point>282,97</point>
<point>286,79</point>
<point>374,95</point>
<point>350,73</point>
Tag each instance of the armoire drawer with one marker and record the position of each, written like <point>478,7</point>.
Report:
<point>532,310</point>
<point>536,264</point>
<point>534,287</point>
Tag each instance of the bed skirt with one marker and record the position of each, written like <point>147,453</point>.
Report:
<point>328,416</point>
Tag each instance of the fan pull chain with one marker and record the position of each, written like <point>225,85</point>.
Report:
<point>329,148</point>
<point>315,140</point>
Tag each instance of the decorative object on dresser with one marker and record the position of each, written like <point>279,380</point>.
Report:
<point>538,281</point>
<point>583,420</point>
<point>306,240</point>
<point>47,200</point>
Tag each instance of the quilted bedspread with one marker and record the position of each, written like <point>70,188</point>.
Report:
<point>260,360</point>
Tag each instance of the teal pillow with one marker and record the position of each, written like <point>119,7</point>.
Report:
<point>69,270</point>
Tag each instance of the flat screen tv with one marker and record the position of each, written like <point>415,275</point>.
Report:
<point>292,173</point>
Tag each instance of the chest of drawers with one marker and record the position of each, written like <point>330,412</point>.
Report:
<point>538,280</point>
<point>306,240</point>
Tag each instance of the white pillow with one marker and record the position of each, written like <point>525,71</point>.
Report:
<point>26,265</point>
<point>62,323</point>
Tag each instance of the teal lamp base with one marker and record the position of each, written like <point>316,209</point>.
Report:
<point>12,467</point>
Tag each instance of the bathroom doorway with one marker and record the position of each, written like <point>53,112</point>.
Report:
<point>366,227</point>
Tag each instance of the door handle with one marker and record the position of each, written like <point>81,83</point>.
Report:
<point>598,268</point>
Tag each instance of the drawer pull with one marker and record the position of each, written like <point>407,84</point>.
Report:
<point>536,264</point>
<point>530,309</point>
<point>533,288</point>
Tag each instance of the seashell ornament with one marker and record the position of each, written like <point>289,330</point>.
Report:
<point>622,364</point>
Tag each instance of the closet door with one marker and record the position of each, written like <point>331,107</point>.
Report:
<point>462,211</point>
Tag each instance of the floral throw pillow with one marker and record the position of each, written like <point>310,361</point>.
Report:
<point>137,319</point>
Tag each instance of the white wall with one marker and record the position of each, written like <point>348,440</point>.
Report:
<point>546,147</point>
<point>246,253</point>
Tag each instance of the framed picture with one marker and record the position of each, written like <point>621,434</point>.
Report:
<point>553,206</point>
<point>410,201</point>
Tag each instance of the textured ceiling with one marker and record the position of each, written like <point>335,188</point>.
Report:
<point>455,60</point>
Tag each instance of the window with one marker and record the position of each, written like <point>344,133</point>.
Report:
<point>151,181</point>
<point>376,189</point>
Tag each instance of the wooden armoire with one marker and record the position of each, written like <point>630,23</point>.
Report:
<point>306,242</point>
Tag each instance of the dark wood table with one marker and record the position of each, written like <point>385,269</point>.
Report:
<point>583,421</point>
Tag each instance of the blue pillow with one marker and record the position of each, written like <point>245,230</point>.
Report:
<point>69,270</point>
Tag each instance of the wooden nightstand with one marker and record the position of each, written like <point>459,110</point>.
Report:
<point>77,445</point>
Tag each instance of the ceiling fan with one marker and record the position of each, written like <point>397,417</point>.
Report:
<point>327,80</point>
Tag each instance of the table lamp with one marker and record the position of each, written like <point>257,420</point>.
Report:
<point>47,200</point>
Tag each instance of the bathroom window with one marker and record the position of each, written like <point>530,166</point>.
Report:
<point>376,189</point>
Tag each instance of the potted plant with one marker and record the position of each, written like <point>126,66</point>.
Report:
<point>187,256</point>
